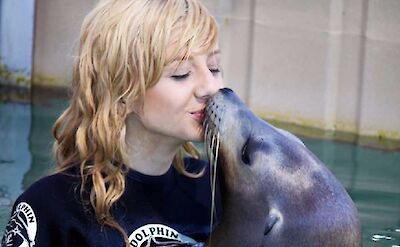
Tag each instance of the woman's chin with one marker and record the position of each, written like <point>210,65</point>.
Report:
<point>198,135</point>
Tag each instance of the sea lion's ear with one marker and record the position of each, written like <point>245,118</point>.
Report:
<point>271,221</point>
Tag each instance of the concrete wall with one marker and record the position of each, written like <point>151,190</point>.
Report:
<point>331,64</point>
<point>57,28</point>
<point>16,36</point>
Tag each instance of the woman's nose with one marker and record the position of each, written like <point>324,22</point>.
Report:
<point>208,84</point>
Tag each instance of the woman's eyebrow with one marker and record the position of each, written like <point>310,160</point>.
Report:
<point>214,52</point>
<point>179,62</point>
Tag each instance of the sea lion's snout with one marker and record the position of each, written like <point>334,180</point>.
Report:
<point>226,90</point>
<point>223,111</point>
<point>239,129</point>
<point>230,135</point>
<point>221,119</point>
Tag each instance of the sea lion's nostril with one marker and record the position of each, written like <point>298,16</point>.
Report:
<point>226,90</point>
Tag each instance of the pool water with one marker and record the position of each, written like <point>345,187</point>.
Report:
<point>372,177</point>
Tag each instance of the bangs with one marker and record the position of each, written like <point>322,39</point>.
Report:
<point>195,33</point>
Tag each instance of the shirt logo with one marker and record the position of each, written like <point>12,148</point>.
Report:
<point>21,229</point>
<point>159,235</point>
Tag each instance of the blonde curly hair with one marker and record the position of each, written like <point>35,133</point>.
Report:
<point>122,52</point>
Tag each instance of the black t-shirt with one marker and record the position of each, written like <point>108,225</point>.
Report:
<point>166,210</point>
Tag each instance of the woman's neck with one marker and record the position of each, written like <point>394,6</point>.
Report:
<point>148,152</point>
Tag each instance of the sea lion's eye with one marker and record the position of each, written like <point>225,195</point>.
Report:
<point>245,155</point>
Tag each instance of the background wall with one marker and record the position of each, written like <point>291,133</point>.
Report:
<point>328,64</point>
<point>57,30</point>
<point>16,40</point>
<point>331,64</point>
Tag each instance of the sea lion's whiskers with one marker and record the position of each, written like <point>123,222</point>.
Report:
<point>212,144</point>
<point>206,136</point>
<point>212,148</point>
<point>213,175</point>
<point>214,178</point>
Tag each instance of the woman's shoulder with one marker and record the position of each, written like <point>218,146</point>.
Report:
<point>50,213</point>
<point>53,188</point>
<point>198,185</point>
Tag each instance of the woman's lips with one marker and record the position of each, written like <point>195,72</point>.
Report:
<point>198,115</point>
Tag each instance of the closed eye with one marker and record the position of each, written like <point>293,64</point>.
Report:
<point>215,71</point>
<point>180,77</point>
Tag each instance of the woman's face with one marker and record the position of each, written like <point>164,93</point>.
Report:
<point>174,106</point>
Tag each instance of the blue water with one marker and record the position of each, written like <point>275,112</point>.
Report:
<point>372,177</point>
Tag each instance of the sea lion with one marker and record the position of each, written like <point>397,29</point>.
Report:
<point>274,191</point>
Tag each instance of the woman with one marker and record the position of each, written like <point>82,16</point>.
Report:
<point>144,72</point>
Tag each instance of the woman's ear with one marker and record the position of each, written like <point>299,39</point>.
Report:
<point>131,106</point>
<point>121,107</point>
